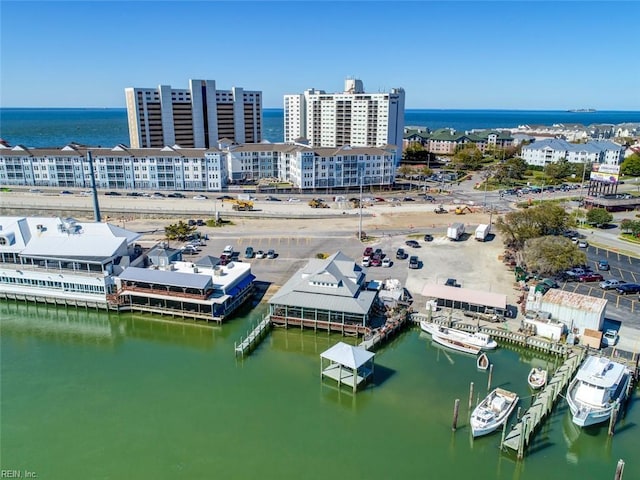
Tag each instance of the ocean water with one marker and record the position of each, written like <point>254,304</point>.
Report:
<point>88,394</point>
<point>107,127</point>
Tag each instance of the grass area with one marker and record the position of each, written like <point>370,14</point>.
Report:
<point>629,237</point>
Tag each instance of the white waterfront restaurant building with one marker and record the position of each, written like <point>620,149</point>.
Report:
<point>98,265</point>
<point>173,168</point>
<point>62,261</point>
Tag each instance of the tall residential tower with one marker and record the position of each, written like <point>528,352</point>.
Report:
<point>352,117</point>
<point>193,118</point>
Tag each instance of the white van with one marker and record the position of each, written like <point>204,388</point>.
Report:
<point>228,250</point>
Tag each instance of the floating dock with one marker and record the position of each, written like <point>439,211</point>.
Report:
<point>254,337</point>
<point>520,436</point>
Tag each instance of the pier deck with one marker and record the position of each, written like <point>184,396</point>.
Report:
<point>254,337</point>
<point>520,436</point>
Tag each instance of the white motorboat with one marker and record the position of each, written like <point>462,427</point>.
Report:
<point>477,339</point>
<point>537,378</point>
<point>493,411</point>
<point>598,386</point>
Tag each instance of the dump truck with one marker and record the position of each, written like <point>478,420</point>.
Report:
<point>455,231</point>
<point>482,231</point>
<point>242,205</point>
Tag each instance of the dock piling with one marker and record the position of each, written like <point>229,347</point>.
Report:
<point>490,375</point>
<point>470,395</point>
<point>619,470</point>
<point>456,407</point>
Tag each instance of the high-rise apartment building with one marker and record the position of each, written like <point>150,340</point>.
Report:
<point>194,118</point>
<point>352,117</point>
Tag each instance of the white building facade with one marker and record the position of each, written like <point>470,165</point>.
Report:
<point>193,169</point>
<point>352,117</point>
<point>552,150</point>
<point>196,117</point>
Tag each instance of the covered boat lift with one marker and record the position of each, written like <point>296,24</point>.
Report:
<point>347,364</point>
<point>467,299</point>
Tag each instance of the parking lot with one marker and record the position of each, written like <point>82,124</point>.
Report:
<point>622,267</point>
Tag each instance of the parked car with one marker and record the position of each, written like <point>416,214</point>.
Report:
<point>452,282</point>
<point>610,338</point>
<point>228,250</point>
<point>259,254</point>
<point>610,284</point>
<point>627,288</point>
<point>428,237</point>
<point>583,244</point>
<point>175,195</point>
<point>386,262</point>
<point>271,198</point>
<point>590,277</point>
<point>366,261</point>
<point>112,194</point>
<point>191,222</point>
<point>66,192</point>
<point>603,265</point>
<point>190,249</point>
<point>401,254</point>
<point>379,252</point>
<point>158,195</point>
<point>414,262</point>
<point>550,282</point>
<point>248,252</point>
<point>200,222</point>
<point>368,252</point>
<point>376,261</point>
<point>225,259</point>
<point>412,244</point>
<point>225,197</point>
<point>199,197</point>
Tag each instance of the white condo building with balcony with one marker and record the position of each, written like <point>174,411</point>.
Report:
<point>352,117</point>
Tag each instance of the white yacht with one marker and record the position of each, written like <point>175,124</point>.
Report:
<point>599,384</point>
<point>476,341</point>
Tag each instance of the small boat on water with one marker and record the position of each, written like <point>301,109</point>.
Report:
<point>493,411</point>
<point>477,339</point>
<point>598,386</point>
<point>537,378</point>
<point>483,361</point>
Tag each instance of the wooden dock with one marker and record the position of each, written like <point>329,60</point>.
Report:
<point>393,325</point>
<point>520,436</point>
<point>253,338</point>
<point>499,333</point>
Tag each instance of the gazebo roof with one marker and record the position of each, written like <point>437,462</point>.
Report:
<point>348,355</point>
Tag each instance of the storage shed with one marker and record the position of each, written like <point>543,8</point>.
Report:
<point>576,311</point>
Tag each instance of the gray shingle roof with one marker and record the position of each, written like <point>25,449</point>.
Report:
<point>165,277</point>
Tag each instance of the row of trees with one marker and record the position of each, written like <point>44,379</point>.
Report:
<point>630,226</point>
<point>631,165</point>
<point>522,225</point>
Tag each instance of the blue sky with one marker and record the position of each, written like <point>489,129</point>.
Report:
<point>503,54</point>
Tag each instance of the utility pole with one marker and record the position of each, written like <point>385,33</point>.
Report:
<point>360,206</point>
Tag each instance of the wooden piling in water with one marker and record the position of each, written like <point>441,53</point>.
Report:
<point>456,407</point>
<point>619,470</point>
<point>470,395</point>
<point>613,418</point>
<point>490,375</point>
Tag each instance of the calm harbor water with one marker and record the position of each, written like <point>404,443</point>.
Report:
<point>107,127</point>
<point>91,395</point>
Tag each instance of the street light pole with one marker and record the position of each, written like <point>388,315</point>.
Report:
<point>584,172</point>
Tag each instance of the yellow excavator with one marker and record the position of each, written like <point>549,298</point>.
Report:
<point>463,210</point>
<point>317,203</point>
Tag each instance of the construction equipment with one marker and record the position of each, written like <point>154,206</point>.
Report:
<point>461,210</point>
<point>317,203</point>
<point>241,205</point>
<point>440,209</point>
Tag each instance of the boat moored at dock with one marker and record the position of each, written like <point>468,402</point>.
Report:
<point>493,411</point>
<point>452,338</point>
<point>597,388</point>
<point>537,378</point>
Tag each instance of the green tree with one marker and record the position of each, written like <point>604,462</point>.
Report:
<point>405,170</point>
<point>631,165</point>
<point>598,217</point>
<point>550,255</point>
<point>416,153</point>
<point>511,169</point>
<point>179,231</point>
<point>467,157</point>
<point>625,225</point>
<point>559,170</point>
<point>522,225</point>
